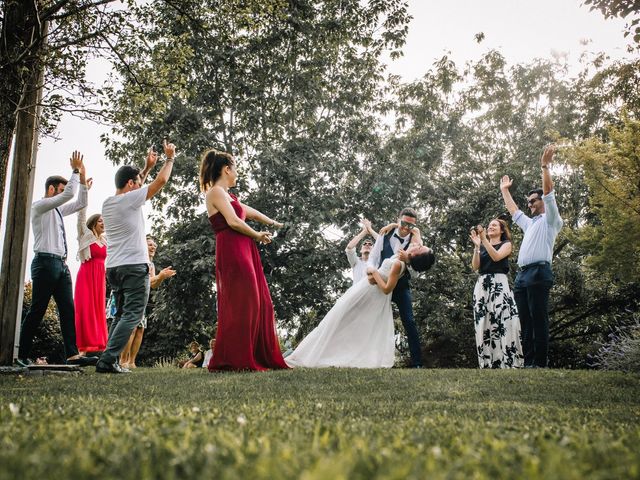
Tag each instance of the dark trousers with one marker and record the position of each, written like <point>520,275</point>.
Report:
<point>49,276</point>
<point>130,285</point>
<point>531,292</point>
<point>402,298</point>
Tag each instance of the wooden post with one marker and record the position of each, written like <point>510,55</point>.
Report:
<point>14,251</point>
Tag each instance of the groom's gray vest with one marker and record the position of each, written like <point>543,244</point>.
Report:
<point>387,252</point>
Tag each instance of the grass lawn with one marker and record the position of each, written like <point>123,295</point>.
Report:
<point>321,424</point>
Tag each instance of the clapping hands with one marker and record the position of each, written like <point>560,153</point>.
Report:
<point>478,234</point>
<point>475,238</point>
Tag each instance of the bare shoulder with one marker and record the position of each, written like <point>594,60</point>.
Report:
<point>397,266</point>
<point>216,192</point>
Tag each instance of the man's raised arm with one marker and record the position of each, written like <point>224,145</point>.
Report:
<point>505,184</point>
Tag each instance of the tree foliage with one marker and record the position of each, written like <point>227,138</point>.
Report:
<point>297,91</point>
<point>611,170</point>
<point>293,90</point>
<point>622,9</point>
<point>78,30</point>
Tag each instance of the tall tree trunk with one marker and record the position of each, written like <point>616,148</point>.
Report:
<point>20,41</point>
<point>20,194</point>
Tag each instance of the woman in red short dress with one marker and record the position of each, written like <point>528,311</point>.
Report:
<point>246,338</point>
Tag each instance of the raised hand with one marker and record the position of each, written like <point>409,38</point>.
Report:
<point>386,229</point>
<point>475,238</point>
<point>482,233</point>
<point>76,160</point>
<point>277,224</point>
<point>547,155</point>
<point>152,159</point>
<point>169,149</point>
<point>505,183</point>
<point>366,225</point>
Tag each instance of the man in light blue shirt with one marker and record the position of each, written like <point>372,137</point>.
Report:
<point>535,278</point>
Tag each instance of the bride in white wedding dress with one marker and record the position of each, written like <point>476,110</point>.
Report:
<point>358,330</point>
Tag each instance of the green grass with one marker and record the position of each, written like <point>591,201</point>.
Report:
<point>322,424</point>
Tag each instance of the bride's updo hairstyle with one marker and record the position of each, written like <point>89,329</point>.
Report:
<point>211,165</point>
<point>422,262</point>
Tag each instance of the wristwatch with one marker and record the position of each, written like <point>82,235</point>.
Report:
<point>75,170</point>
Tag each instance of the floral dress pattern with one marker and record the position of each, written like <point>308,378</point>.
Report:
<point>497,323</point>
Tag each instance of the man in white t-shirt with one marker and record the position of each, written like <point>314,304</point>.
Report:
<point>127,257</point>
<point>359,265</point>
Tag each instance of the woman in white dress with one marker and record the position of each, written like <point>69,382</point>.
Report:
<point>358,330</point>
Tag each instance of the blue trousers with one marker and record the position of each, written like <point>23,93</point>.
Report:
<point>402,298</point>
<point>531,293</point>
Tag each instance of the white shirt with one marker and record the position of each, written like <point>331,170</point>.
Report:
<point>124,228</point>
<point>358,266</point>
<point>207,356</point>
<point>376,251</point>
<point>540,232</point>
<point>47,225</point>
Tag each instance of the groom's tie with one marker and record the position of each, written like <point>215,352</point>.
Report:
<point>398,237</point>
<point>64,233</point>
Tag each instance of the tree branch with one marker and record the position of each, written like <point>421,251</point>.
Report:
<point>79,10</point>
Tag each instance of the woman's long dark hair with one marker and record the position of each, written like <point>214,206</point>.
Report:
<point>211,165</point>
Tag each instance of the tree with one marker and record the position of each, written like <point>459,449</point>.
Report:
<point>457,133</point>
<point>611,171</point>
<point>36,36</point>
<point>620,8</point>
<point>293,89</point>
<point>79,29</point>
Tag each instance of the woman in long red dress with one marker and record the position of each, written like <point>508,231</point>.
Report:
<point>90,293</point>
<point>246,338</point>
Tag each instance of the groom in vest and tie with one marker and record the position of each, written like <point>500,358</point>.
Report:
<point>388,244</point>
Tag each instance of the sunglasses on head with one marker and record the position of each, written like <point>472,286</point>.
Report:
<point>408,225</point>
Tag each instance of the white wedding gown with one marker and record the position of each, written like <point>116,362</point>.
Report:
<point>357,331</point>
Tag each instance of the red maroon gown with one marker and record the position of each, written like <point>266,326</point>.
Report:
<point>89,299</point>
<point>246,338</point>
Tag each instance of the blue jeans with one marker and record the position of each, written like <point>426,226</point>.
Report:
<point>402,298</point>
<point>130,285</point>
<point>531,293</point>
<point>49,276</point>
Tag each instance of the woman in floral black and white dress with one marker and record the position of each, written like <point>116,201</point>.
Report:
<point>494,309</point>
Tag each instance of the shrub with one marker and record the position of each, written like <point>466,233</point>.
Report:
<point>622,351</point>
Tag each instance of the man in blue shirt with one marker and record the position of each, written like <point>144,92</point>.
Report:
<point>535,278</point>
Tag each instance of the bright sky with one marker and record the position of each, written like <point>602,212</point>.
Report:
<point>521,29</point>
